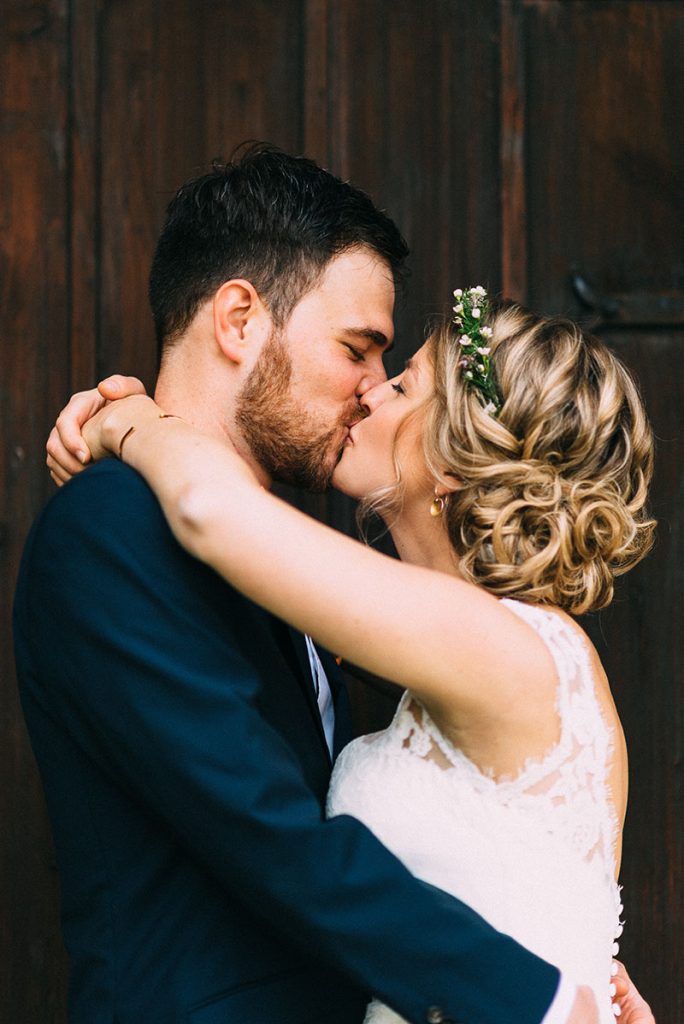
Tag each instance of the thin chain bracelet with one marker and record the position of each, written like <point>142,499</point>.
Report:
<point>131,430</point>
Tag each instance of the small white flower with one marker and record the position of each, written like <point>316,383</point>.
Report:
<point>458,293</point>
<point>465,340</point>
<point>486,332</point>
<point>458,308</point>
<point>484,351</point>
<point>469,374</point>
<point>480,367</point>
<point>476,312</point>
<point>478,291</point>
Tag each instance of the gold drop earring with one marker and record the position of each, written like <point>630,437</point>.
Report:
<point>438,504</point>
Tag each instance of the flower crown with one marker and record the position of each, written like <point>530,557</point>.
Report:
<point>470,310</point>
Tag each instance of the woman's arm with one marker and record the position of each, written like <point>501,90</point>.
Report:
<point>453,644</point>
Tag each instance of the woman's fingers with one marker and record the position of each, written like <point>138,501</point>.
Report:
<point>119,386</point>
<point>60,460</point>
<point>67,452</point>
<point>75,413</point>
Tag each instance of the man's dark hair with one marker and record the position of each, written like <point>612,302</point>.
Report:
<point>275,220</point>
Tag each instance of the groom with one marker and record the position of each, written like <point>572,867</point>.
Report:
<point>185,737</point>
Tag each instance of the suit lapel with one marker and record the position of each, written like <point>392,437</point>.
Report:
<point>299,660</point>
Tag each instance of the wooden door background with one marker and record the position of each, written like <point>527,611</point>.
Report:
<point>534,146</point>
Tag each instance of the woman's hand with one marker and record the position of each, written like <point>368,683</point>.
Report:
<point>635,1009</point>
<point>67,450</point>
<point>105,432</point>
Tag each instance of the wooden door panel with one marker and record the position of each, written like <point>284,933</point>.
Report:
<point>596,95</point>
<point>640,643</point>
<point>34,373</point>
<point>604,146</point>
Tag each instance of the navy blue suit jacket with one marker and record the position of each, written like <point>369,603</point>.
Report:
<point>185,770</point>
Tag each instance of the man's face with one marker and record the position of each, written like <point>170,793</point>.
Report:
<point>302,396</point>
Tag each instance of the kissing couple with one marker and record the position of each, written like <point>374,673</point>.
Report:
<point>226,854</point>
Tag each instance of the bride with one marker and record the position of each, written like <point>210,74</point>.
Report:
<point>510,460</point>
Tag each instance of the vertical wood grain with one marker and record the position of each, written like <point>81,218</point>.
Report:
<point>84,190</point>
<point>512,135</point>
<point>316,92</point>
<point>180,87</point>
<point>34,375</point>
<point>602,163</point>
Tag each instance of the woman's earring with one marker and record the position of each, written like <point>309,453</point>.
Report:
<point>438,505</point>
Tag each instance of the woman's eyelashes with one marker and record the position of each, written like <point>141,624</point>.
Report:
<point>398,387</point>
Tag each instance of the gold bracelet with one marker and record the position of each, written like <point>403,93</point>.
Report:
<point>123,439</point>
<point>131,430</point>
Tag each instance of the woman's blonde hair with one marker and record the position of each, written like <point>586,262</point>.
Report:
<point>551,502</point>
<point>551,505</point>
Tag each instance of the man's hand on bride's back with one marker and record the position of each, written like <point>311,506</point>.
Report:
<point>67,451</point>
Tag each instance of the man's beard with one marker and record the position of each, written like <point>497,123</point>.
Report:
<point>286,441</point>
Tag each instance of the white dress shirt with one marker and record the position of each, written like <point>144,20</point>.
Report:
<point>324,698</point>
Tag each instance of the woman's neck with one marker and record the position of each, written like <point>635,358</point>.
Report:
<point>423,540</point>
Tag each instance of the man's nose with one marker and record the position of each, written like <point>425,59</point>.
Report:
<point>374,396</point>
<point>374,377</point>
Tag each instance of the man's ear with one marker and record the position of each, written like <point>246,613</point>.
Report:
<point>241,320</point>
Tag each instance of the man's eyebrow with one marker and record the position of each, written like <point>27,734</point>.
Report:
<point>368,333</point>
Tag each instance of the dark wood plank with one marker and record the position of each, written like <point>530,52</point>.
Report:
<point>34,374</point>
<point>180,87</point>
<point>84,185</point>
<point>603,154</point>
<point>512,136</point>
<point>316,91</point>
<point>414,103</point>
<point>605,147</point>
<point>640,643</point>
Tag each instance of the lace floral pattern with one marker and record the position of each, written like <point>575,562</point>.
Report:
<point>546,836</point>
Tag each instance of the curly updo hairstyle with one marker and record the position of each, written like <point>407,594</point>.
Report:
<point>552,498</point>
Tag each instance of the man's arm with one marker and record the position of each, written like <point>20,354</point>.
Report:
<point>162,700</point>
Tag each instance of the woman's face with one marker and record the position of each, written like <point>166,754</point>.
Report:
<point>389,433</point>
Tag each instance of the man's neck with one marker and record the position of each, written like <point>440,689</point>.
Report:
<point>207,410</point>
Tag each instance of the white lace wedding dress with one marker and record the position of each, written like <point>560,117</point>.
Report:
<point>533,855</point>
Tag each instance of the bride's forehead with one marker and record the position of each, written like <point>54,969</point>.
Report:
<point>420,363</point>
